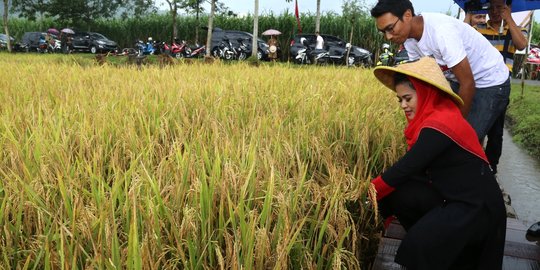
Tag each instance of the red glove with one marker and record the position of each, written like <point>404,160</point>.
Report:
<point>382,188</point>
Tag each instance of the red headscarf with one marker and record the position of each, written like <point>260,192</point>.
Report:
<point>436,110</point>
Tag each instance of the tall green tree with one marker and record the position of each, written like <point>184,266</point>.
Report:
<point>30,9</point>
<point>137,8</point>
<point>81,12</point>
<point>174,5</point>
<point>5,21</point>
<point>195,6</point>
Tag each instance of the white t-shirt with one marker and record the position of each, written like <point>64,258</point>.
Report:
<point>450,40</point>
<point>320,42</point>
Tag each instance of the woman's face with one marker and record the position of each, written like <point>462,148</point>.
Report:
<point>407,99</point>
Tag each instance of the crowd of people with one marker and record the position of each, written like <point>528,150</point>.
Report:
<point>454,92</point>
<point>53,38</point>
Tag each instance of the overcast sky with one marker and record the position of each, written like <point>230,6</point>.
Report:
<point>278,6</point>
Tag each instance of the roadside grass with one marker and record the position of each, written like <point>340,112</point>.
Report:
<point>524,117</point>
<point>201,166</point>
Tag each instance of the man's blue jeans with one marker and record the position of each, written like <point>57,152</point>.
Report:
<point>489,104</point>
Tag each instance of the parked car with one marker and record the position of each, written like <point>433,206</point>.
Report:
<point>336,48</point>
<point>92,42</point>
<point>219,34</point>
<point>34,41</point>
<point>15,46</point>
<point>3,41</point>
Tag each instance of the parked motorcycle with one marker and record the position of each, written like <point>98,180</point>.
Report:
<point>241,51</point>
<point>178,49</point>
<point>147,48</point>
<point>362,57</point>
<point>197,51</point>
<point>338,55</point>
<point>51,46</point>
<point>320,57</point>
<point>223,50</point>
<point>307,55</point>
<point>303,55</point>
<point>351,56</point>
<point>55,46</point>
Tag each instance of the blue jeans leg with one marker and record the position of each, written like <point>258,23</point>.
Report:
<point>488,105</point>
<point>495,141</point>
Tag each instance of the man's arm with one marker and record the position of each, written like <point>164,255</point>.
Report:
<point>464,75</point>
<point>518,38</point>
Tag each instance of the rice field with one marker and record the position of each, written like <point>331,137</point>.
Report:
<point>201,166</point>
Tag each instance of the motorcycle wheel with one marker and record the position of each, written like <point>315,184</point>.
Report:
<point>187,52</point>
<point>216,53</point>
<point>367,62</point>
<point>228,55</point>
<point>322,62</point>
<point>179,55</point>
<point>242,56</point>
<point>351,61</point>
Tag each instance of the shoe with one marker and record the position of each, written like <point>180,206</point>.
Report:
<point>534,230</point>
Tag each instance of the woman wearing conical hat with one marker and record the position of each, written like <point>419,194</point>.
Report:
<point>442,190</point>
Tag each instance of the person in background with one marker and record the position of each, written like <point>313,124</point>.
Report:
<point>273,48</point>
<point>474,19</point>
<point>500,13</point>
<point>319,45</point>
<point>49,40</point>
<point>511,38</point>
<point>502,31</point>
<point>63,42</point>
<point>386,58</point>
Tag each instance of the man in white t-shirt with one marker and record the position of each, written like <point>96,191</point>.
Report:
<point>320,41</point>
<point>474,67</point>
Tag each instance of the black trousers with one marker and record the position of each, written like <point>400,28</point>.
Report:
<point>410,202</point>
<point>416,198</point>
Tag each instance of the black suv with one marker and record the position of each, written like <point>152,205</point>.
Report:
<point>219,34</point>
<point>92,42</point>
<point>336,48</point>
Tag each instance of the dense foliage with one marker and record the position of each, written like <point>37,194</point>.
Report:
<point>159,27</point>
<point>524,116</point>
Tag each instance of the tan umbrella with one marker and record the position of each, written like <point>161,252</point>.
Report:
<point>271,32</point>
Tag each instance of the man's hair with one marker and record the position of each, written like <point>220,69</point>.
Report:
<point>396,7</point>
